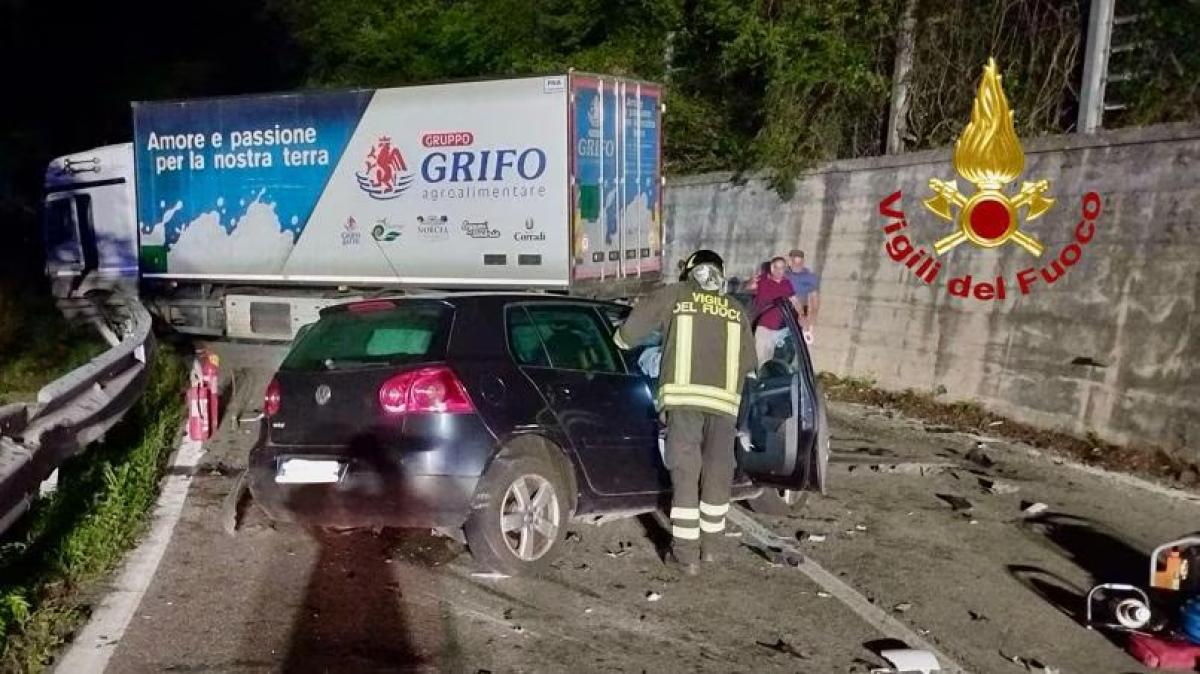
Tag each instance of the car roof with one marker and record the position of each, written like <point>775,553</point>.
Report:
<point>461,298</point>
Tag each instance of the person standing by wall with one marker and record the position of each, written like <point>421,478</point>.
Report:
<point>807,288</point>
<point>771,327</point>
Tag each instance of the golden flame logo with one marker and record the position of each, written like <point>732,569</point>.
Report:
<point>988,154</point>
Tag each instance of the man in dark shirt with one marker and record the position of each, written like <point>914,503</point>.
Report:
<point>770,329</point>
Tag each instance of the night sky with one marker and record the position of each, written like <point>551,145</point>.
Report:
<point>71,69</point>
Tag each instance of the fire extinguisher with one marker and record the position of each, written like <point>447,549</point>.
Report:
<point>199,420</point>
<point>210,375</point>
<point>202,400</point>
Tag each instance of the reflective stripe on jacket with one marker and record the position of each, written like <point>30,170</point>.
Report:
<point>707,346</point>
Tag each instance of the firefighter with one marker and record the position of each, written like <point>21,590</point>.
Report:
<point>707,353</point>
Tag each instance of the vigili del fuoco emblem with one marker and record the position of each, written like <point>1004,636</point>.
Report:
<point>989,155</point>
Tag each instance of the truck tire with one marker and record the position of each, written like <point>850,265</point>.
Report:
<point>778,502</point>
<point>520,518</point>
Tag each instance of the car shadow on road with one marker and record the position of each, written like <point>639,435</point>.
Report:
<point>353,617</point>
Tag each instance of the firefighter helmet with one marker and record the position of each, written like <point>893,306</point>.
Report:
<point>706,267</point>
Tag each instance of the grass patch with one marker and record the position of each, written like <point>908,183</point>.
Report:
<point>80,533</point>
<point>37,344</point>
<point>1146,460</point>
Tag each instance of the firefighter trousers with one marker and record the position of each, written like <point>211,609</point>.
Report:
<point>699,456</point>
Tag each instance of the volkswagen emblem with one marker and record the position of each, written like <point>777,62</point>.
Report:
<point>323,394</point>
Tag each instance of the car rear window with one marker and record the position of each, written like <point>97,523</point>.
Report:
<point>410,333</point>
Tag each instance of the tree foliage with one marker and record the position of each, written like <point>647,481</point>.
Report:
<point>1163,62</point>
<point>776,84</point>
<point>1036,43</point>
<point>752,84</point>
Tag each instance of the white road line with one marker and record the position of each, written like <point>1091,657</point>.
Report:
<point>873,615</point>
<point>96,642</point>
<point>862,607</point>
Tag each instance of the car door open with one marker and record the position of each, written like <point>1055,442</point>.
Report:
<point>783,439</point>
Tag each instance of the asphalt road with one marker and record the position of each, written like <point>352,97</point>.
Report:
<point>983,584</point>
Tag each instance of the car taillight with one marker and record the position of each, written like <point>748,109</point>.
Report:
<point>429,389</point>
<point>271,399</point>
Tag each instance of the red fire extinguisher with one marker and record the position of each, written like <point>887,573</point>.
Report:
<point>210,374</point>
<point>199,421</point>
<point>202,399</point>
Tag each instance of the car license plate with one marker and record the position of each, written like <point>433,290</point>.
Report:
<point>308,471</point>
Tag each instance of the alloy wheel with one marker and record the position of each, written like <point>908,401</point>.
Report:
<point>530,517</point>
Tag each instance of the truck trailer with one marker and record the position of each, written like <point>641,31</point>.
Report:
<point>244,216</point>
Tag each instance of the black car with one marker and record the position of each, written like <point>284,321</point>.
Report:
<point>505,415</point>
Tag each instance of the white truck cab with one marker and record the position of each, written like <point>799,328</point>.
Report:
<point>90,221</point>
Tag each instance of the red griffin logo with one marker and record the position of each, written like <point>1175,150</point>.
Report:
<point>385,175</point>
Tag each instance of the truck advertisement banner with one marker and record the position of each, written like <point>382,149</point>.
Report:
<point>616,147</point>
<point>445,185</point>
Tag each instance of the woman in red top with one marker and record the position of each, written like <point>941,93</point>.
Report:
<point>771,328</point>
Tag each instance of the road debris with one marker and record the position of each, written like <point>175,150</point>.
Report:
<point>908,660</point>
<point>1033,509</point>
<point>976,616</point>
<point>815,538</point>
<point>902,607</point>
<point>956,503</point>
<point>1031,664</point>
<point>860,527</point>
<point>998,487</point>
<point>623,548</point>
<point>823,594</point>
<point>777,550</point>
<point>980,457</point>
<point>573,537</point>
<point>653,596</point>
<point>919,468</point>
<point>781,646</point>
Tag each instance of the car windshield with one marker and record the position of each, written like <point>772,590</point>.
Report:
<point>409,333</point>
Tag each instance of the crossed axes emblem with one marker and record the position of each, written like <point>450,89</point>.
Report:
<point>982,211</point>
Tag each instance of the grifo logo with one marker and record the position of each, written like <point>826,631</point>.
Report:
<point>988,155</point>
<point>385,174</point>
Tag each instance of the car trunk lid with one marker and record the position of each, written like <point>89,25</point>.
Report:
<point>328,386</point>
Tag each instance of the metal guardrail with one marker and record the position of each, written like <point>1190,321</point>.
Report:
<point>71,412</point>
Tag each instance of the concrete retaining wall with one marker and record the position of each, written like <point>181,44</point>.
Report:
<point>1113,346</point>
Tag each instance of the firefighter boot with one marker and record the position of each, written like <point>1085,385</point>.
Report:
<point>712,548</point>
<point>683,559</point>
